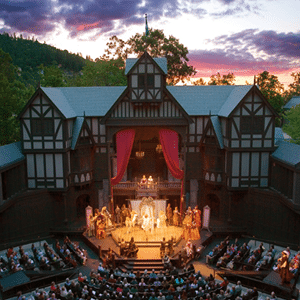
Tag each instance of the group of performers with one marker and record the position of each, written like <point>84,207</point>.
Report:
<point>125,216</point>
<point>146,183</point>
<point>98,222</point>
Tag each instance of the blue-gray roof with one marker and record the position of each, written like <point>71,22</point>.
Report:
<point>76,131</point>
<point>209,99</point>
<point>218,130</point>
<point>293,102</point>
<point>10,154</point>
<point>88,101</point>
<point>278,135</point>
<point>288,153</point>
<point>161,62</point>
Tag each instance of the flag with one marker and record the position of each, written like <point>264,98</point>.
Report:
<point>147,30</point>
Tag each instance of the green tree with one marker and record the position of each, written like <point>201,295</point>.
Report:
<point>219,79</point>
<point>292,123</point>
<point>52,76</point>
<point>13,96</point>
<point>103,73</point>
<point>157,45</point>
<point>294,87</point>
<point>272,89</point>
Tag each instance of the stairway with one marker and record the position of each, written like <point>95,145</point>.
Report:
<point>133,265</point>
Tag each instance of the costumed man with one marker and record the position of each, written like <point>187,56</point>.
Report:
<point>176,216</point>
<point>132,248</point>
<point>283,268</point>
<point>107,217</point>
<point>101,227</point>
<point>187,224</point>
<point>118,214</point>
<point>197,216</point>
<point>91,226</point>
<point>143,183</point>
<point>123,214</point>
<point>169,215</point>
<point>195,235</point>
<point>150,182</point>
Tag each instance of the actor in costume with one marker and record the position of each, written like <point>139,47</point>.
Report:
<point>100,228</point>
<point>161,221</point>
<point>107,217</point>
<point>197,216</point>
<point>169,215</point>
<point>148,224</point>
<point>143,183</point>
<point>176,216</point>
<point>118,214</point>
<point>283,268</point>
<point>150,182</point>
<point>195,235</point>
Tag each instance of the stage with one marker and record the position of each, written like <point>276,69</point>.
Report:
<point>141,236</point>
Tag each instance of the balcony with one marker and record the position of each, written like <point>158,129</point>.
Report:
<point>81,178</point>
<point>159,188</point>
<point>214,176</point>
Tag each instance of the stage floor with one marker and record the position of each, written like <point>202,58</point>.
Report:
<point>141,236</point>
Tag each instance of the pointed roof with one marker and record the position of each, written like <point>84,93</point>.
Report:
<point>288,153</point>
<point>88,101</point>
<point>209,99</point>
<point>218,130</point>
<point>160,61</point>
<point>293,102</point>
<point>76,131</point>
<point>10,154</point>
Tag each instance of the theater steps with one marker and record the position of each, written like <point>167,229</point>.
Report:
<point>135,265</point>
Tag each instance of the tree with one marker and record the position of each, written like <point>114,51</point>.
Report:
<point>103,73</point>
<point>157,45</point>
<point>222,80</point>
<point>13,96</point>
<point>272,89</point>
<point>199,81</point>
<point>292,123</point>
<point>52,76</point>
<point>294,88</point>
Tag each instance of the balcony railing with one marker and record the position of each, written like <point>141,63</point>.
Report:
<point>213,176</point>
<point>81,178</point>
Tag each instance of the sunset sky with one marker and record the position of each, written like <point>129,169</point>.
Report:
<point>244,37</point>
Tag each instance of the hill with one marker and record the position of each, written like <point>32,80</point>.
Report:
<point>29,54</point>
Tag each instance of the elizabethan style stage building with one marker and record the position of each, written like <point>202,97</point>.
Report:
<point>201,145</point>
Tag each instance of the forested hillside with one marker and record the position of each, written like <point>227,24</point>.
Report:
<point>28,55</point>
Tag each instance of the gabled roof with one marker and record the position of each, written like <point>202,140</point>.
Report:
<point>161,62</point>
<point>88,101</point>
<point>209,99</point>
<point>288,153</point>
<point>293,102</point>
<point>10,154</point>
<point>218,130</point>
<point>278,135</point>
<point>76,131</point>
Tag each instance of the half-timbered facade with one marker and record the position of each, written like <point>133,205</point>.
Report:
<point>226,139</point>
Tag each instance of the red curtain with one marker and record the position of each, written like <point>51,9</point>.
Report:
<point>124,141</point>
<point>169,142</point>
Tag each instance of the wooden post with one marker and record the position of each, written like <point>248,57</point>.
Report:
<point>100,251</point>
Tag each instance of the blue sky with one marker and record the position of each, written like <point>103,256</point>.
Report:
<point>245,37</point>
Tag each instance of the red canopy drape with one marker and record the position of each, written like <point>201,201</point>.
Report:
<point>124,139</point>
<point>169,142</point>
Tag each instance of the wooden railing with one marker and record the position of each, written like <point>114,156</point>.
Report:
<point>80,178</point>
<point>156,186</point>
<point>213,176</point>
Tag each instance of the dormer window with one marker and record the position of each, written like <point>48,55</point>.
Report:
<point>146,81</point>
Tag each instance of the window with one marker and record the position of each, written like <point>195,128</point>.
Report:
<point>42,126</point>
<point>252,124</point>
<point>148,79</point>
